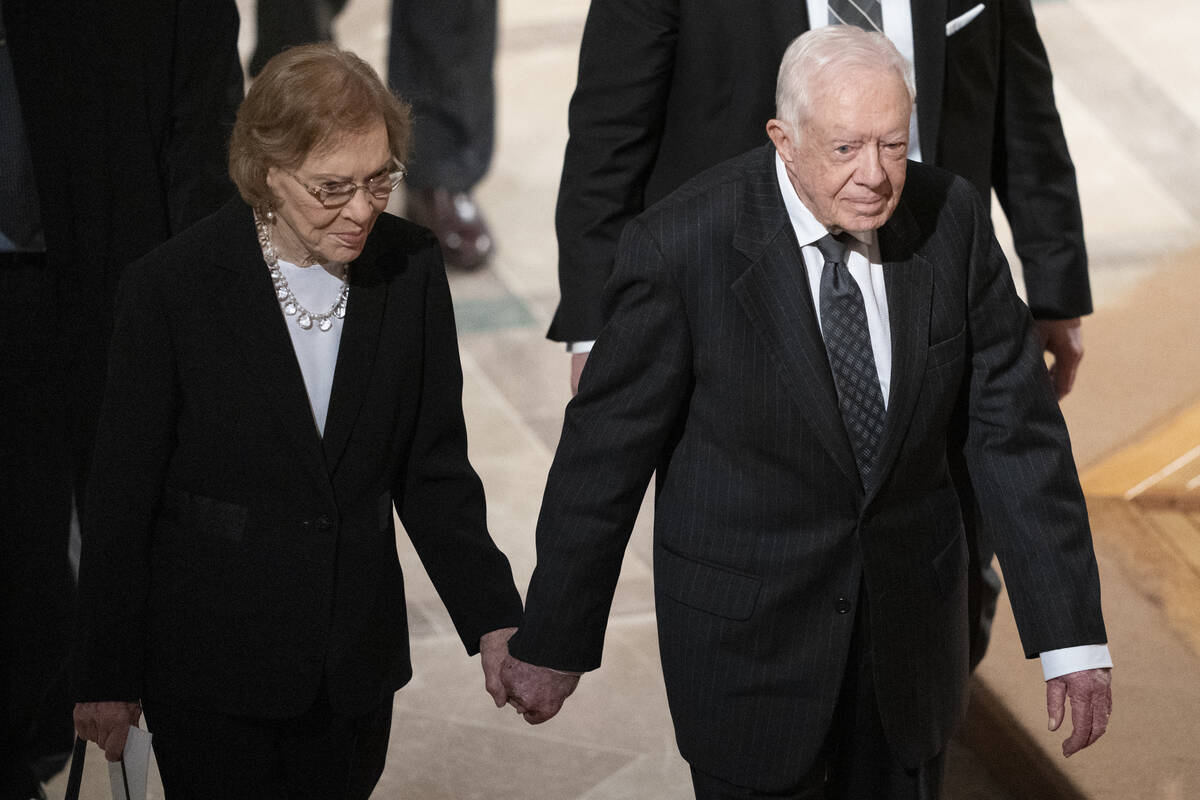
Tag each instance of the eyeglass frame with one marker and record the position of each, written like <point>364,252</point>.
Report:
<point>395,177</point>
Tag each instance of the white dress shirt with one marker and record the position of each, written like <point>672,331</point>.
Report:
<point>863,261</point>
<point>316,350</point>
<point>897,26</point>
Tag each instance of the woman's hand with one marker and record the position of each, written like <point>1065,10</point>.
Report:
<point>493,649</point>
<point>107,724</point>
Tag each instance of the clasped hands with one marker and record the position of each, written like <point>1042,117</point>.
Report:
<point>537,693</point>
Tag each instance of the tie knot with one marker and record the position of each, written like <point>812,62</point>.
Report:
<point>833,250</point>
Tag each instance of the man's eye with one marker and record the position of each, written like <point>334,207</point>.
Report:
<point>843,150</point>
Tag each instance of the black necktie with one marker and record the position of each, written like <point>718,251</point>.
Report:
<point>848,343</point>
<point>866,14</point>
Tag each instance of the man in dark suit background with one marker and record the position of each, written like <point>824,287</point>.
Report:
<point>668,89</point>
<point>797,395</point>
<point>118,114</point>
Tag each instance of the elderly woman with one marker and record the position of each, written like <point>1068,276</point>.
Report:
<point>283,374</point>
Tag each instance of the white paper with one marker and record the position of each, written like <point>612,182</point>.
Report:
<point>133,768</point>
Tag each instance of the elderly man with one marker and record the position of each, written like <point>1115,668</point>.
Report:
<point>796,340</point>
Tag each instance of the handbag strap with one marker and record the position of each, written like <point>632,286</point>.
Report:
<point>75,778</point>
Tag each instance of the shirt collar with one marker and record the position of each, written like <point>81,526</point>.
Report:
<point>808,230</point>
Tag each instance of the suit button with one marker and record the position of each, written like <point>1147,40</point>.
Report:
<point>323,524</point>
<point>841,605</point>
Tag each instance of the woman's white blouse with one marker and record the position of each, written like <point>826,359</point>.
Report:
<point>316,350</point>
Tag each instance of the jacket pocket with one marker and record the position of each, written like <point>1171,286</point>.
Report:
<point>706,587</point>
<point>950,565</point>
<point>947,350</point>
<point>205,514</point>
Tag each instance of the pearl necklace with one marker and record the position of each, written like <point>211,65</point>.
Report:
<point>287,299</point>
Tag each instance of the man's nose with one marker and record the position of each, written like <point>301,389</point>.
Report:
<point>870,170</point>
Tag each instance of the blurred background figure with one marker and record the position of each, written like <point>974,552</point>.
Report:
<point>286,23</point>
<point>113,122</point>
<point>440,58</point>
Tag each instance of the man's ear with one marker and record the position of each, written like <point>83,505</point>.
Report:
<point>781,134</point>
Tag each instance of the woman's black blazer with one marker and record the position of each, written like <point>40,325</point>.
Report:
<point>234,559</point>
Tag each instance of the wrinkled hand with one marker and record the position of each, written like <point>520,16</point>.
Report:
<point>577,362</point>
<point>537,693</point>
<point>493,649</point>
<point>107,724</point>
<point>1063,339</point>
<point>1090,691</point>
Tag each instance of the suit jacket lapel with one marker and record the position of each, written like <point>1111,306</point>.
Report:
<point>356,354</point>
<point>909,282</point>
<point>929,53</point>
<point>775,294</point>
<point>254,316</point>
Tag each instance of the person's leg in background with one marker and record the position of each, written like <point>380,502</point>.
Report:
<point>440,60</point>
<point>286,23</point>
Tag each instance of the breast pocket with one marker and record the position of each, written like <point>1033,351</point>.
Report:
<point>947,351</point>
<point>968,26</point>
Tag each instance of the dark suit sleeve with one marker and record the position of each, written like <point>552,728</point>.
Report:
<point>616,121</point>
<point>615,430</point>
<point>134,440</point>
<point>442,506</point>
<point>206,89</point>
<point>1033,175</point>
<point>1019,458</point>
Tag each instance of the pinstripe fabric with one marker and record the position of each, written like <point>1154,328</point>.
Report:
<point>711,370</point>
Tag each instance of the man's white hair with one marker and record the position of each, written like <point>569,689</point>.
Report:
<point>835,48</point>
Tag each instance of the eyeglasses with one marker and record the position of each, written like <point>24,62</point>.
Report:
<point>336,195</point>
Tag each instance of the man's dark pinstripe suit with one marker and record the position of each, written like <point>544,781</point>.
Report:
<point>712,371</point>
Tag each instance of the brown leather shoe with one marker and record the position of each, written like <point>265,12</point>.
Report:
<point>456,221</point>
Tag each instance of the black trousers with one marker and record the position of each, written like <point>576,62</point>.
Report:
<point>856,762</point>
<point>322,755</point>
<point>286,23</point>
<point>37,587</point>
<point>440,59</point>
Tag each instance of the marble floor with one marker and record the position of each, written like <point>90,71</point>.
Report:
<point>1127,89</point>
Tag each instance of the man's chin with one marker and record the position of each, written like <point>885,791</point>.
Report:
<point>868,219</point>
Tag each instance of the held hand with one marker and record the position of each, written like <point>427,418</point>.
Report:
<point>577,362</point>
<point>537,693</point>
<point>107,724</point>
<point>1090,691</point>
<point>493,649</point>
<point>1063,339</point>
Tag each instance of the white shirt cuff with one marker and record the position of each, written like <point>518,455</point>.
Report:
<point>1074,659</point>
<point>580,347</point>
